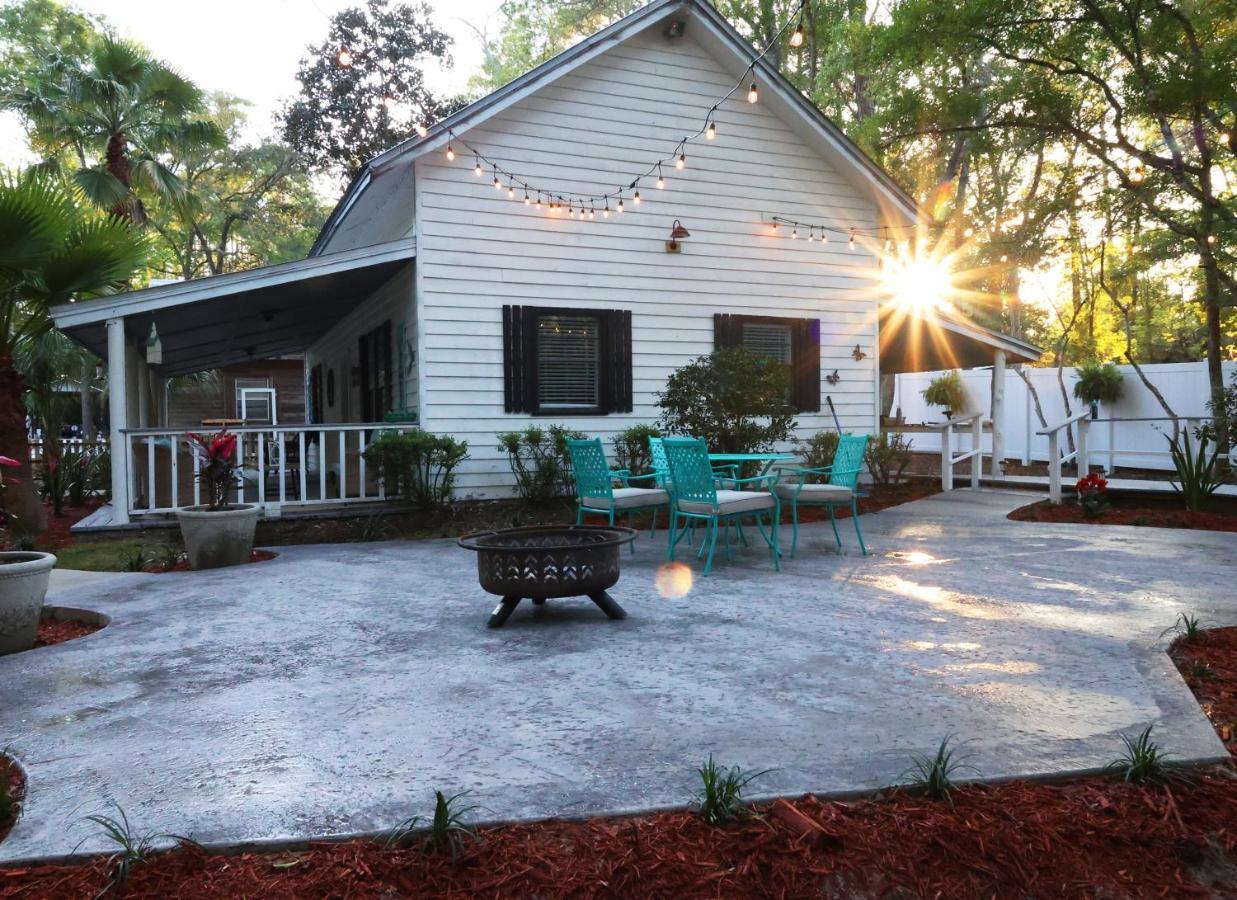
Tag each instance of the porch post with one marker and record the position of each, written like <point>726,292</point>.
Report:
<point>998,414</point>
<point>118,415</point>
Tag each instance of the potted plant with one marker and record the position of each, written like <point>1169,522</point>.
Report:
<point>217,533</point>
<point>23,585</point>
<point>1092,491</point>
<point>1098,383</point>
<point>946,391</point>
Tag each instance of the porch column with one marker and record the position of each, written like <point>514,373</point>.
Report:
<point>118,415</point>
<point>998,414</point>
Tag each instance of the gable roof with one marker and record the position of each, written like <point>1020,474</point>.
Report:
<point>718,33</point>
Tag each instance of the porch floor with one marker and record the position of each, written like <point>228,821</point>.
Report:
<point>330,691</point>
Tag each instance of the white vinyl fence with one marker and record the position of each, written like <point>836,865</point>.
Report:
<point>1129,433</point>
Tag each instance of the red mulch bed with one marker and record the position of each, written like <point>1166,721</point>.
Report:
<point>57,631</point>
<point>57,534</point>
<point>877,498</point>
<point>255,556</point>
<point>1208,663</point>
<point>1154,512</point>
<point>13,778</point>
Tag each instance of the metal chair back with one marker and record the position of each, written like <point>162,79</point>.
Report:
<point>690,470</point>
<point>848,460</point>
<point>590,469</point>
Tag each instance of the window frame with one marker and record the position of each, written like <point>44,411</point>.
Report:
<point>371,365</point>
<point>805,392</point>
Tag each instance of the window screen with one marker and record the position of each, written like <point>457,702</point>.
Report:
<point>568,362</point>
<point>769,340</point>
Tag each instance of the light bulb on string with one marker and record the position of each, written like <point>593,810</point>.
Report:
<point>538,199</point>
<point>752,95</point>
<point>681,161</point>
<point>620,204</point>
<point>344,57</point>
<point>661,182</point>
<point>1211,240</point>
<point>450,154</point>
<point>592,211</point>
<point>422,131</point>
<point>796,39</point>
<point>476,169</point>
<point>636,198</point>
<point>605,213</point>
<point>811,236</point>
<point>1226,138</point>
<point>1137,175</point>
<point>794,233</point>
<point>498,185</point>
<point>527,201</point>
<point>711,133</point>
<point>824,238</point>
<point>510,191</point>
<point>851,242</point>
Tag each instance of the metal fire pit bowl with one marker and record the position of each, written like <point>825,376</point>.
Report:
<point>545,562</point>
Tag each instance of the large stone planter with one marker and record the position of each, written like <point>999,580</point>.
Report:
<point>218,537</point>
<point>23,584</point>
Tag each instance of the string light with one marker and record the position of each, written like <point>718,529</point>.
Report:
<point>1137,175</point>
<point>498,185</point>
<point>591,210</point>
<point>852,239</point>
<point>538,199</point>
<point>794,234</point>
<point>345,58</point>
<point>527,201</point>
<point>450,154</point>
<point>620,204</point>
<point>422,131</point>
<point>605,213</point>
<point>1211,240</point>
<point>824,238</point>
<point>476,170</point>
<point>775,226</point>
<point>712,132</point>
<point>510,191</point>
<point>810,236</point>
<point>752,95</point>
<point>681,161</point>
<point>1226,138</point>
<point>796,39</point>
<point>636,198</point>
<point>661,182</point>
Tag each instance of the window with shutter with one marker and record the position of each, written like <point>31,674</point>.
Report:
<point>794,342</point>
<point>575,361</point>
<point>774,341</point>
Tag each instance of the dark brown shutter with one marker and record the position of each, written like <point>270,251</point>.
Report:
<point>805,350</point>
<point>515,360</point>
<point>727,331</point>
<point>616,372</point>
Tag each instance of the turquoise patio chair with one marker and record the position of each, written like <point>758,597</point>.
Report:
<point>840,488</point>
<point>596,494</point>
<point>698,499</point>
<point>661,468</point>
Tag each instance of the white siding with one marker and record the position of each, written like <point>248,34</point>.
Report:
<point>380,213</point>
<point>338,349</point>
<point>595,129</point>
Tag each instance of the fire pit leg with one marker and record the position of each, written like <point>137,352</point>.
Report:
<point>502,612</point>
<point>607,604</point>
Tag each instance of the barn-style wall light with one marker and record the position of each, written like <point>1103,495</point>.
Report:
<point>677,233</point>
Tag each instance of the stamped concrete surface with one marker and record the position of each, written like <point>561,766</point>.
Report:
<point>332,690</point>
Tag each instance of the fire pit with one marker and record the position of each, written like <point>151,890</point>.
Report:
<point>545,562</point>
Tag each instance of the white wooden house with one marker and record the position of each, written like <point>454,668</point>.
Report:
<point>435,296</point>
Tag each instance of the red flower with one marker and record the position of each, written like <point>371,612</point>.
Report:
<point>1091,483</point>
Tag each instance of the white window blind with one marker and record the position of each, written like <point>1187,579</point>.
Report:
<point>768,340</point>
<point>568,362</point>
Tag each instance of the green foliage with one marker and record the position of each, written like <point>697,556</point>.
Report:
<point>818,450</point>
<point>721,795</point>
<point>417,465</point>
<point>631,449</point>
<point>887,457</point>
<point>1098,383</point>
<point>135,559</point>
<point>1224,413</point>
<point>735,401</point>
<point>946,391</point>
<point>539,461</point>
<point>1142,762</point>
<point>1187,626</point>
<point>347,114</point>
<point>1198,475</point>
<point>374,528</point>
<point>934,775</point>
<point>133,847</point>
<point>447,829</point>
<point>170,552</point>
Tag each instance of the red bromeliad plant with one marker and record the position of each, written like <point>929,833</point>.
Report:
<point>217,470</point>
<point>1092,491</point>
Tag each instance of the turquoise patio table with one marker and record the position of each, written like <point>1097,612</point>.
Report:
<point>767,458</point>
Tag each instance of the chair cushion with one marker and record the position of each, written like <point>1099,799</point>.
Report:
<point>630,498</point>
<point>730,502</point>
<point>814,493</point>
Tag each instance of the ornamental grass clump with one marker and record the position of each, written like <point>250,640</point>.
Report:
<point>934,775</point>
<point>721,796</point>
<point>1092,491</point>
<point>1198,475</point>
<point>217,474</point>
<point>1143,762</point>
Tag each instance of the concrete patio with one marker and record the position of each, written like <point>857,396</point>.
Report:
<point>331,691</point>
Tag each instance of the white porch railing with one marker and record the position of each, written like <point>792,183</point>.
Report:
<point>76,445</point>
<point>976,454</point>
<point>279,465</point>
<point>1056,460</point>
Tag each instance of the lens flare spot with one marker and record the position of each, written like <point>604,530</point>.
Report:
<point>674,580</point>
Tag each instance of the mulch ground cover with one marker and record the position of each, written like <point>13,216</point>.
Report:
<point>57,534</point>
<point>57,631</point>
<point>1135,509</point>
<point>1091,837</point>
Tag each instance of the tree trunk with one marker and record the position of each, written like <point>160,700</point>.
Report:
<point>21,501</point>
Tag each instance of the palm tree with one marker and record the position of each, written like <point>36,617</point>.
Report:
<point>52,250</point>
<point>116,116</point>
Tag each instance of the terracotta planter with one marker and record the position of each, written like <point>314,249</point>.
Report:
<point>215,538</point>
<point>23,585</point>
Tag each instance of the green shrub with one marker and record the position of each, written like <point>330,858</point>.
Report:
<point>946,392</point>
<point>1098,383</point>
<point>817,451</point>
<point>417,465</point>
<point>631,449</point>
<point>887,457</point>
<point>1198,474</point>
<point>736,401</point>
<point>539,461</point>
<point>721,796</point>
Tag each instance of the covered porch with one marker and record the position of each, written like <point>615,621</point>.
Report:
<point>150,336</point>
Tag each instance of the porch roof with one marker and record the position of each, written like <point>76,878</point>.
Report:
<point>260,313</point>
<point>913,340</point>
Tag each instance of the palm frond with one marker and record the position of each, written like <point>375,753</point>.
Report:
<point>101,187</point>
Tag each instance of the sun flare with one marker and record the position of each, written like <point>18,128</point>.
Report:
<point>918,283</point>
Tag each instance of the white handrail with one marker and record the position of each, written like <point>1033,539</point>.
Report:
<point>1055,459</point>
<point>976,453</point>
